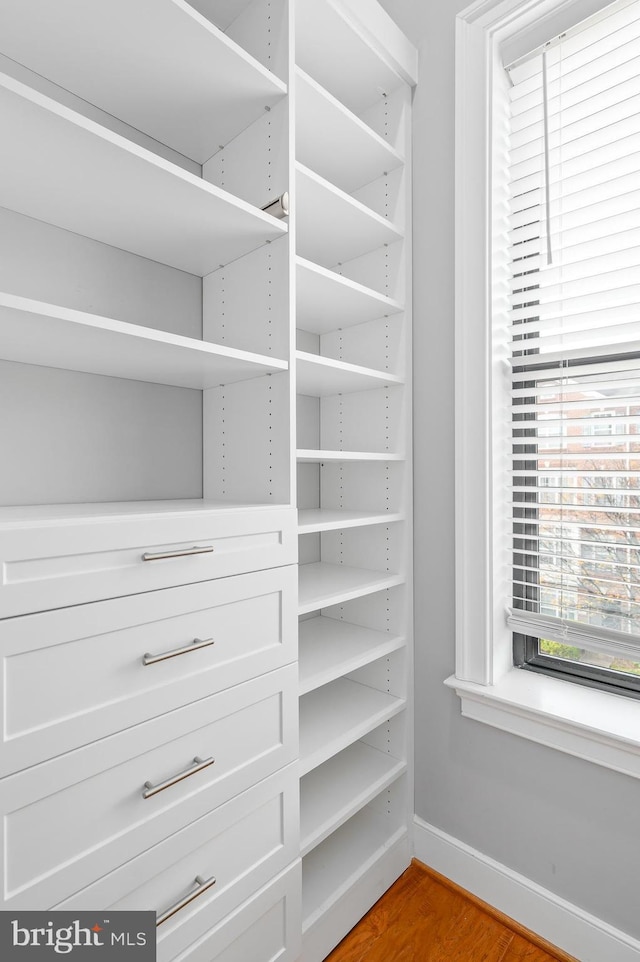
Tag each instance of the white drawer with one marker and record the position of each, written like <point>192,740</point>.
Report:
<point>266,928</point>
<point>76,675</point>
<point>243,845</point>
<point>73,554</point>
<point>69,821</point>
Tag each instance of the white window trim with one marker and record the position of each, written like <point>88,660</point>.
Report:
<point>588,723</point>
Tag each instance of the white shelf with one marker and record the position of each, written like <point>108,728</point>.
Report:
<point>321,584</point>
<point>335,791</point>
<point>115,510</point>
<point>96,183</point>
<point>333,868</point>
<point>338,714</point>
<point>331,140</point>
<point>325,301</point>
<point>334,227</point>
<point>310,455</point>
<point>344,54</point>
<point>175,76</point>
<point>330,649</point>
<point>335,519</point>
<point>32,332</point>
<point>322,376</point>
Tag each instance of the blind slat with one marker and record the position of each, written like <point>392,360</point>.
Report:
<point>582,635</point>
<point>590,155</point>
<point>622,71</point>
<point>567,126</point>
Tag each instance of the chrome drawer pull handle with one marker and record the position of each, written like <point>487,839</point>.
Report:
<point>180,553</point>
<point>198,765</point>
<point>203,886</point>
<point>195,645</point>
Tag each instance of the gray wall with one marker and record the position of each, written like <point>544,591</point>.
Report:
<point>568,825</point>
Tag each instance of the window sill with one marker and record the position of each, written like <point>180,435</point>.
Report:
<point>594,725</point>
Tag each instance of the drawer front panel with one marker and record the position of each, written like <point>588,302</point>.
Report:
<point>242,845</point>
<point>76,675</point>
<point>57,564</point>
<point>66,825</point>
<point>266,928</point>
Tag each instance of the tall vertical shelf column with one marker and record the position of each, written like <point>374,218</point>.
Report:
<point>354,73</point>
<point>146,499</point>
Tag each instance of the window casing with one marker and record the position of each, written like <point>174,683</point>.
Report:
<point>583,721</point>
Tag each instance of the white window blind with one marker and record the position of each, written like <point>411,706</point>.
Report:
<point>574,246</point>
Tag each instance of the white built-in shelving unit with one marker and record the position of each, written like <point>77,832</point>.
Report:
<point>185,376</point>
<point>352,371</point>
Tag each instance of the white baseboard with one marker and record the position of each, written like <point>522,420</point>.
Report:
<point>572,929</point>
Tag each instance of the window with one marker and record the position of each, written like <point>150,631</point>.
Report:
<point>574,306</point>
<point>547,389</point>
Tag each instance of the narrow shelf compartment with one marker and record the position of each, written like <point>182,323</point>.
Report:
<point>322,376</point>
<point>357,71</point>
<point>338,714</point>
<point>326,301</point>
<point>322,122</point>
<point>99,184</point>
<point>332,793</point>
<point>330,649</point>
<point>221,12</point>
<point>178,79</point>
<point>32,332</point>
<point>333,868</point>
<point>312,456</point>
<point>334,227</point>
<point>321,584</point>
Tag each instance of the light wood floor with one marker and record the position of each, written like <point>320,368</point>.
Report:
<point>426,918</point>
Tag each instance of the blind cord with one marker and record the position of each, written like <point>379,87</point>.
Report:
<point>547,191</point>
